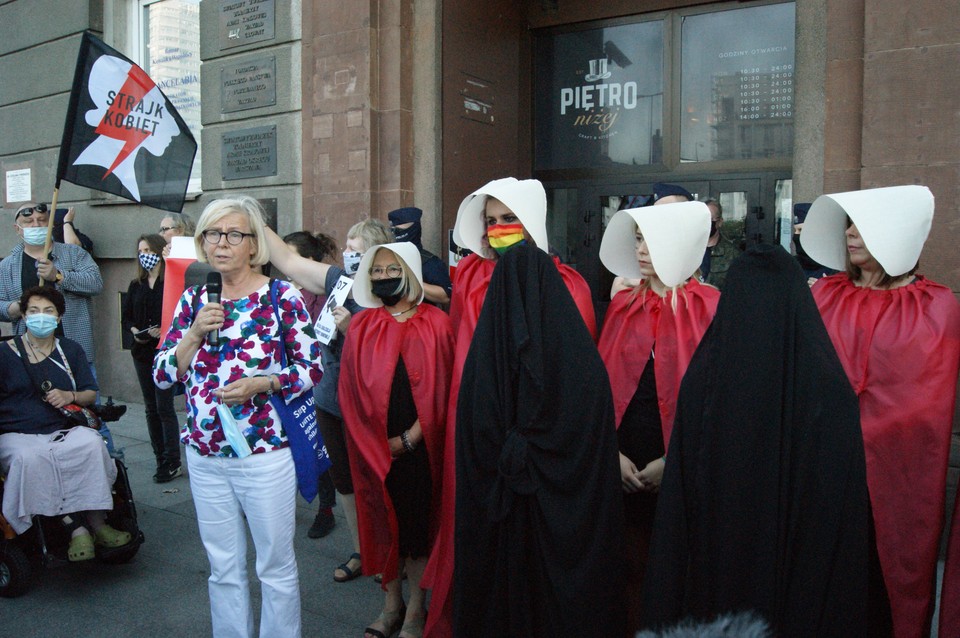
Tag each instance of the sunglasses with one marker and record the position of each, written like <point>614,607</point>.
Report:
<point>27,212</point>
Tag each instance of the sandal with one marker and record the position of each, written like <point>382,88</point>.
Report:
<point>111,538</point>
<point>349,574</point>
<point>391,622</point>
<point>81,548</point>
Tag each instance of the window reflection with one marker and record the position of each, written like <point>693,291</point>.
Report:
<point>170,31</point>
<point>737,84</point>
<point>734,205</point>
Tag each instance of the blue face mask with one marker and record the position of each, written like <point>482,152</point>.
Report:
<point>232,432</point>
<point>41,325</point>
<point>35,235</point>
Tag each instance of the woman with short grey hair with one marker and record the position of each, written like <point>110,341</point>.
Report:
<point>227,354</point>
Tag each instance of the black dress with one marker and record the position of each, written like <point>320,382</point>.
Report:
<point>640,438</point>
<point>539,508</point>
<point>408,481</point>
<point>764,502</point>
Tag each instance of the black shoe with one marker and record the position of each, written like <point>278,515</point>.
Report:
<point>167,473</point>
<point>322,525</point>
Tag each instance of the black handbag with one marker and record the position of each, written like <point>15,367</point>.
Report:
<point>75,414</point>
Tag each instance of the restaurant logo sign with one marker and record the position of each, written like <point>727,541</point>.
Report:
<point>593,107</point>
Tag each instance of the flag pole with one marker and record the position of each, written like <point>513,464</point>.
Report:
<point>50,219</point>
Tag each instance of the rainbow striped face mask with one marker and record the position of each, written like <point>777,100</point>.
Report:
<point>503,237</point>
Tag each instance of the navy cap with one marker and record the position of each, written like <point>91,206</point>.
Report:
<point>404,215</point>
<point>661,190</point>
<point>800,212</point>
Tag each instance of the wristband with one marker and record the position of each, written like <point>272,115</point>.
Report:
<point>405,439</point>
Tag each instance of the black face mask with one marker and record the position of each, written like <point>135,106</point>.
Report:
<point>384,289</point>
<point>411,234</point>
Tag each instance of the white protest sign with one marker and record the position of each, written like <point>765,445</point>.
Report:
<point>326,327</point>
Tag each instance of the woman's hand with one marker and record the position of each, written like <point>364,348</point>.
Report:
<point>154,332</point>
<point>166,249</point>
<point>210,317</point>
<point>652,475</point>
<point>341,317</point>
<point>396,446</point>
<point>59,398</point>
<point>243,389</point>
<point>629,476</point>
<point>414,436</point>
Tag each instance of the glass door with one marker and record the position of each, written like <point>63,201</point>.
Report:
<point>579,214</point>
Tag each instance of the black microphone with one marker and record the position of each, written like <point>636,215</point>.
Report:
<point>214,286</point>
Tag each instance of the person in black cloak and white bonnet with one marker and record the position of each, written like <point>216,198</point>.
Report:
<point>539,509</point>
<point>764,503</point>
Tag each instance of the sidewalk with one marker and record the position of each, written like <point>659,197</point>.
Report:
<point>163,591</point>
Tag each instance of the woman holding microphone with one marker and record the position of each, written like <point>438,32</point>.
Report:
<point>227,353</point>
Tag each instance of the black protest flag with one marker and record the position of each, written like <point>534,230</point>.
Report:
<point>122,135</point>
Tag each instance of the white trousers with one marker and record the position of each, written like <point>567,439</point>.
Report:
<point>263,488</point>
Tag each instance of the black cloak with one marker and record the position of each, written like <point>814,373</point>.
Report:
<point>539,509</point>
<point>764,501</point>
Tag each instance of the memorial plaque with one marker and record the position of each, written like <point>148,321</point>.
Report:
<point>249,153</point>
<point>246,21</point>
<point>249,85</point>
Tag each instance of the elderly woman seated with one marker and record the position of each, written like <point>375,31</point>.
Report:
<point>53,468</point>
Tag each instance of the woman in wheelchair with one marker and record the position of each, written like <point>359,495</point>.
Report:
<point>53,467</point>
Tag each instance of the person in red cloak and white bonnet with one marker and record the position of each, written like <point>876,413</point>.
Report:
<point>649,335</point>
<point>394,380</point>
<point>898,337</point>
<point>500,214</point>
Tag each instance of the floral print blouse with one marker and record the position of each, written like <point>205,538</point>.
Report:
<point>249,346</point>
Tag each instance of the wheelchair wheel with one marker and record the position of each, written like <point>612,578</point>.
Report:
<point>124,518</point>
<point>14,570</point>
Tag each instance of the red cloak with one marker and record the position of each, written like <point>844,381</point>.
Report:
<point>470,283</point>
<point>374,344</point>
<point>632,326</point>
<point>900,349</point>
<point>470,280</point>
